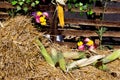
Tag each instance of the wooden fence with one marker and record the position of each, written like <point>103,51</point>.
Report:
<point>113,26</point>
<point>4,6</point>
<point>77,23</point>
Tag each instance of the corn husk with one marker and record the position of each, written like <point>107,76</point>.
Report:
<point>62,62</point>
<point>111,57</point>
<point>54,55</point>
<point>73,55</point>
<point>44,53</point>
<point>84,62</point>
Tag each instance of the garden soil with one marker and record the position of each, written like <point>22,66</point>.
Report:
<point>20,58</point>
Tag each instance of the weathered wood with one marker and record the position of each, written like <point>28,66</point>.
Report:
<point>6,5</point>
<point>74,44</point>
<point>116,0</point>
<point>88,33</point>
<point>3,15</point>
<point>92,22</point>
<point>108,10</point>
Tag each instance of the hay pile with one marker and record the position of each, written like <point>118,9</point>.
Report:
<point>20,59</point>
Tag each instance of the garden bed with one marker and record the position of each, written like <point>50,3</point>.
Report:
<point>20,58</point>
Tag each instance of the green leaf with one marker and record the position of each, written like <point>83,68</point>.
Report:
<point>76,5</point>
<point>18,8</point>
<point>74,1</point>
<point>80,4</point>
<point>90,12</point>
<point>85,6</point>
<point>37,2</point>
<point>33,4</point>
<point>25,9</point>
<point>81,8</point>
<point>21,3</point>
<point>14,3</point>
<point>103,67</point>
<point>28,1</point>
<point>69,6</point>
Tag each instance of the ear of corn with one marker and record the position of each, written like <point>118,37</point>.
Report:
<point>60,15</point>
<point>111,57</point>
<point>54,55</point>
<point>74,55</point>
<point>84,62</point>
<point>62,62</point>
<point>44,53</point>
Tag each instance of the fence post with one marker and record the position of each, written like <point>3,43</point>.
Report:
<point>53,25</point>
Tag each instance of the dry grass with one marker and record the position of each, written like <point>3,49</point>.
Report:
<point>20,59</point>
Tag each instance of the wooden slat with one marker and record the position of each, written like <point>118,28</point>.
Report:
<point>116,0</point>
<point>88,33</point>
<point>92,22</point>
<point>74,44</point>
<point>6,5</point>
<point>3,15</point>
<point>108,10</point>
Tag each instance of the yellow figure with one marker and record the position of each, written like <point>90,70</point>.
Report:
<point>61,15</point>
<point>60,5</point>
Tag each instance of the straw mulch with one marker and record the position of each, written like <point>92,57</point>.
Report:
<point>20,58</point>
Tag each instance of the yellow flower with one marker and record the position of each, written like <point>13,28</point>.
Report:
<point>80,43</point>
<point>43,23</point>
<point>42,19</point>
<point>39,13</point>
<point>90,43</point>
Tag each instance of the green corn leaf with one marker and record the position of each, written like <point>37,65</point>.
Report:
<point>54,55</point>
<point>62,62</point>
<point>111,57</point>
<point>44,53</point>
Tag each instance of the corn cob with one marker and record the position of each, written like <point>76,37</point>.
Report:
<point>62,62</point>
<point>61,15</point>
<point>44,53</point>
<point>111,57</point>
<point>54,55</point>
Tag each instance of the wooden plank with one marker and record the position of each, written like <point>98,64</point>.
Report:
<point>108,10</point>
<point>116,0</point>
<point>6,5</point>
<point>74,45</point>
<point>88,33</point>
<point>3,15</point>
<point>92,22</point>
<point>47,7</point>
